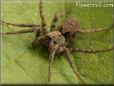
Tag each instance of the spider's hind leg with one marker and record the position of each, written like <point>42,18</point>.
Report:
<point>94,30</point>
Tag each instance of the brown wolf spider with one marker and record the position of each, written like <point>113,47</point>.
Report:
<point>59,41</point>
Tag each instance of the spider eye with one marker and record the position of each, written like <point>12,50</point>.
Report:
<point>49,39</point>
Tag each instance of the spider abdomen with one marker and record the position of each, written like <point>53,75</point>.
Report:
<point>69,25</point>
<point>68,29</point>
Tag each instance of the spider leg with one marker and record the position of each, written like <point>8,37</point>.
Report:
<point>19,25</point>
<point>93,30</point>
<point>55,19</point>
<point>52,54</point>
<point>72,64</point>
<point>20,32</point>
<point>38,41</point>
<point>43,23</point>
<point>90,50</point>
<point>51,58</point>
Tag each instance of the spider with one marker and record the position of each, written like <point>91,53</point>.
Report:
<point>58,41</point>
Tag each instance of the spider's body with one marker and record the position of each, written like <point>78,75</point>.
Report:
<point>58,41</point>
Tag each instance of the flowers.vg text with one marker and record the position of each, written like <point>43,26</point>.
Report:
<point>98,4</point>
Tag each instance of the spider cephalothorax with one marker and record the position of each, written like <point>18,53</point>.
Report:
<point>50,40</point>
<point>58,41</point>
<point>54,38</point>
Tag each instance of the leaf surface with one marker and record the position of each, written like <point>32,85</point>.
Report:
<point>21,64</point>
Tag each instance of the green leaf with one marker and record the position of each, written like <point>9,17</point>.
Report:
<point>21,64</point>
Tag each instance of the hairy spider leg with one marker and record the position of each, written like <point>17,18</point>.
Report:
<point>43,23</point>
<point>20,32</point>
<point>19,25</point>
<point>72,64</point>
<point>93,30</point>
<point>34,28</point>
<point>51,58</point>
<point>53,24</point>
<point>54,21</point>
<point>91,50</point>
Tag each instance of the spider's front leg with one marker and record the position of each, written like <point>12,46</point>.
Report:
<point>53,41</point>
<point>52,50</point>
<point>43,23</point>
<point>54,21</point>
